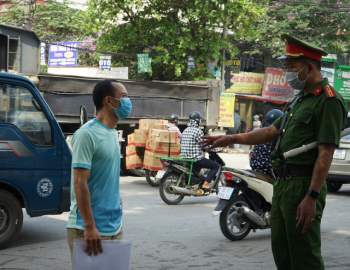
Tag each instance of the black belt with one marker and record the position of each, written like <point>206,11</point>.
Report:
<point>289,170</point>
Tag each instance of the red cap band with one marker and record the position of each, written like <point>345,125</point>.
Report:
<point>297,51</point>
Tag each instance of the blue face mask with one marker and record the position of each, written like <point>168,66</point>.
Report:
<point>124,109</point>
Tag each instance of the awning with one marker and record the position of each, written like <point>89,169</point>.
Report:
<point>261,99</point>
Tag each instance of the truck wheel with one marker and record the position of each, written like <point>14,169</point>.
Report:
<point>151,178</point>
<point>333,186</point>
<point>11,218</point>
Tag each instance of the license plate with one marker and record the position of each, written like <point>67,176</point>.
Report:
<point>339,154</point>
<point>160,174</point>
<point>225,192</point>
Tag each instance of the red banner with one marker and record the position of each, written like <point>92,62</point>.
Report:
<point>275,85</point>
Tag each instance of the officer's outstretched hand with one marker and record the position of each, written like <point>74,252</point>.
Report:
<point>306,213</point>
<point>217,141</point>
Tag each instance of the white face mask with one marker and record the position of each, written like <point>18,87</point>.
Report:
<point>293,80</point>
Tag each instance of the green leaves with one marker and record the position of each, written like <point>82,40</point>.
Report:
<point>320,22</point>
<point>172,30</point>
<point>51,22</point>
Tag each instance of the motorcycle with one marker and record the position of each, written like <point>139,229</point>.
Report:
<point>246,199</point>
<point>181,179</point>
<point>244,203</point>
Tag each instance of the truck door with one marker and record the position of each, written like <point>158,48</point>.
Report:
<point>30,148</point>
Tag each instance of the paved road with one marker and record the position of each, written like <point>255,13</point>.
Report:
<point>182,237</point>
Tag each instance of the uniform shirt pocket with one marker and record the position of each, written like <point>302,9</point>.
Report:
<point>303,118</point>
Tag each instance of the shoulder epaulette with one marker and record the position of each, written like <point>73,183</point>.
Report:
<point>329,91</point>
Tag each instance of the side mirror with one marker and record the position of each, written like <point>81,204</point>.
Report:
<point>83,116</point>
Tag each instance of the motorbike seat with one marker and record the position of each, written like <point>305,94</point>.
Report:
<point>262,176</point>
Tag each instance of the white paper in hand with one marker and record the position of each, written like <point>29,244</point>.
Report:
<point>115,256</point>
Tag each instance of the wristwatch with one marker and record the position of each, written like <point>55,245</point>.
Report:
<point>313,194</point>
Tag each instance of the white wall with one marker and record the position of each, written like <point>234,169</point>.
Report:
<point>115,73</point>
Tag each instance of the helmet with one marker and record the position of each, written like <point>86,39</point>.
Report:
<point>174,118</point>
<point>195,116</point>
<point>272,116</point>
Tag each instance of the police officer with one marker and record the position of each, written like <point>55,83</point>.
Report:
<point>317,113</point>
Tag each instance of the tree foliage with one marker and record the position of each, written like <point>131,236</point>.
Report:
<point>322,22</point>
<point>173,30</point>
<point>51,22</point>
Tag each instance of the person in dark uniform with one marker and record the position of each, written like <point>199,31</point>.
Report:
<point>316,114</point>
<point>260,156</point>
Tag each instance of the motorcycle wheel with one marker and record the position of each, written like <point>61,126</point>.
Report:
<point>164,189</point>
<point>233,227</point>
<point>151,178</point>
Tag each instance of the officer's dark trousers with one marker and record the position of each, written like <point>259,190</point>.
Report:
<point>293,250</point>
<point>207,164</point>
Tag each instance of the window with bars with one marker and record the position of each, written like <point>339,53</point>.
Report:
<point>13,54</point>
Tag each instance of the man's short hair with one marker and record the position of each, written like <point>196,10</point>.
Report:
<point>102,89</point>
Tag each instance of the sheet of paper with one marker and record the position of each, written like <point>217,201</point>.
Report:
<point>115,256</point>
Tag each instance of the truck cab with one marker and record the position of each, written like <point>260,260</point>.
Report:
<point>35,158</point>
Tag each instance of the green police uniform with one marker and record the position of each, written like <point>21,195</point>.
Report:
<point>318,115</point>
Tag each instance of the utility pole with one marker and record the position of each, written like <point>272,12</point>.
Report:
<point>223,57</point>
<point>29,6</point>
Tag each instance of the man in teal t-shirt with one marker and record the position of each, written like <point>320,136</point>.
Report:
<point>95,211</point>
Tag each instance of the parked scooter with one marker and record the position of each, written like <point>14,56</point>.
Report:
<point>246,199</point>
<point>180,179</point>
<point>245,203</point>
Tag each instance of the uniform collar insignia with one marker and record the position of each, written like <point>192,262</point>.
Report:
<point>318,91</point>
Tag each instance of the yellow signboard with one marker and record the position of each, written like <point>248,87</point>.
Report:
<point>246,83</point>
<point>227,106</point>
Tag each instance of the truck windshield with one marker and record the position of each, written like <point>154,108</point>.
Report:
<point>17,108</point>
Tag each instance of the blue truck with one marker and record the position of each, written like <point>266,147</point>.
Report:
<point>34,156</point>
<point>35,159</point>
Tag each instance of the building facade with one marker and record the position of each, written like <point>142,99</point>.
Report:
<point>19,50</point>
